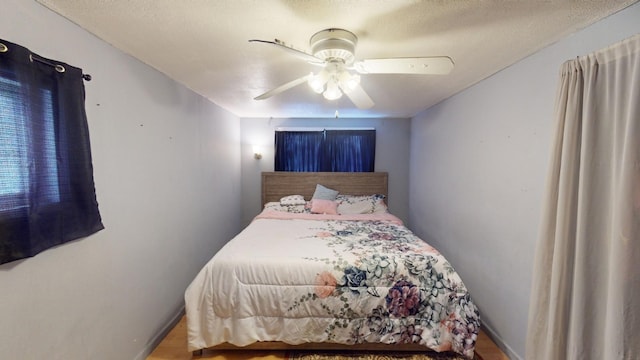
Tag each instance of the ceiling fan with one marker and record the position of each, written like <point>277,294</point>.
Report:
<point>334,50</point>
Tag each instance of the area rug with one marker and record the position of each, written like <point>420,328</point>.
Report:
<point>332,355</point>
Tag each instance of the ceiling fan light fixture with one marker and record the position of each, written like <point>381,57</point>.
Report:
<point>316,82</point>
<point>333,91</point>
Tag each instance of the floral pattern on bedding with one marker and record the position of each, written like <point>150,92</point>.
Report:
<point>293,209</point>
<point>386,285</point>
<point>361,204</point>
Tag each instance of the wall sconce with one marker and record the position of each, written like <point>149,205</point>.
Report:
<point>257,154</point>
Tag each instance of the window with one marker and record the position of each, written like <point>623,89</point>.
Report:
<point>47,194</point>
<point>325,150</point>
<point>14,143</point>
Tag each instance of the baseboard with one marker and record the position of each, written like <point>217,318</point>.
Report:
<point>500,343</point>
<point>157,339</point>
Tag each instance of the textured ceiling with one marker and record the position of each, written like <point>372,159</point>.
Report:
<point>203,44</point>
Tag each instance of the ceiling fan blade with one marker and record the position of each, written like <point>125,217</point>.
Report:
<point>437,65</point>
<point>301,54</point>
<point>359,97</point>
<point>283,88</point>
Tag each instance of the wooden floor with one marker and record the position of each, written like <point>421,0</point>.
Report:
<point>174,347</point>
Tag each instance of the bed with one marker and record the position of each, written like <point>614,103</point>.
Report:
<point>348,277</point>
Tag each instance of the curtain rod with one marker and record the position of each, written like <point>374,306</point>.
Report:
<point>59,68</point>
<point>321,128</point>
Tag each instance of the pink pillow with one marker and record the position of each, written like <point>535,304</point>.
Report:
<point>321,206</point>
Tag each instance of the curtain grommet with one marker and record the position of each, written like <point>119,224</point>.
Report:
<point>3,48</point>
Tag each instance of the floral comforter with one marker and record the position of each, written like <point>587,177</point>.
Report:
<point>339,281</point>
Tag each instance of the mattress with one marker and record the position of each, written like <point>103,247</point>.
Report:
<point>300,278</point>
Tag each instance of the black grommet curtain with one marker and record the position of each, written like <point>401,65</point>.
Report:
<point>47,192</point>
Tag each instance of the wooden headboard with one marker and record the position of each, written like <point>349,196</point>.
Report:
<point>275,185</point>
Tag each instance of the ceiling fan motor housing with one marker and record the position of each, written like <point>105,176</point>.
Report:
<point>334,44</point>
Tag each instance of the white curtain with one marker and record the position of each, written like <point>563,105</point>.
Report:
<point>585,299</point>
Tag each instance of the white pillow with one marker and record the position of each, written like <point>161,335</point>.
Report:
<point>365,204</point>
<point>292,200</point>
<point>296,209</point>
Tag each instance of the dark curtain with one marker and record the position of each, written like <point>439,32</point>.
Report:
<point>328,150</point>
<point>299,151</point>
<point>350,150</point>
<point>47,193</point>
